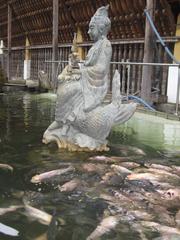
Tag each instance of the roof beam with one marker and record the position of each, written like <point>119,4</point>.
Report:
<point>36,12</point>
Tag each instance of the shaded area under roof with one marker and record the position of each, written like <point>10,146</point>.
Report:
<point>33,19</point>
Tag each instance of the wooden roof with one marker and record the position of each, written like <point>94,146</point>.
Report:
<point>33,18</point>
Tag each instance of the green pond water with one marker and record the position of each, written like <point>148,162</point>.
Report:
<point>23,119</point>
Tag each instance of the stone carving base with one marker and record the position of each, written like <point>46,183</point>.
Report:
<point>74,148</point>
<point>67,137</point>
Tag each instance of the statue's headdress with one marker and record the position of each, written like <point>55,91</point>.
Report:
<point>102,11</point>
<point>101,17</point>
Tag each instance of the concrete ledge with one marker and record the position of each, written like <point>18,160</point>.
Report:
<point>13,87</point>
<point>17,81</point>
<point>32,83</point>
<point>169,108</point>
<point>159,114</point>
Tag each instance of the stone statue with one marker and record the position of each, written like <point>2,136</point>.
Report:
<point>82,121</point>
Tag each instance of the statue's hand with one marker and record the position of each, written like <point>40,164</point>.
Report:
<point>75,74</point>
<point>61,77</point>
<point>67,78</point>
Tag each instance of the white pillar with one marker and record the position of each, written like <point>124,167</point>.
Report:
<point>27,61</point>
<point>27,69</point>
<point>172,84</point>
<point>1,47</point>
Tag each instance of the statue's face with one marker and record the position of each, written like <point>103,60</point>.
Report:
<point>93,31</point>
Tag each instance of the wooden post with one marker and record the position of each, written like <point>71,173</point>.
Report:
<point>177,44</point>
<point>9,42</point>
<point>27,61</point>
<point>55,42</point>
<point>80,40</point>
<point>148,56</point>
<point>27,51</point>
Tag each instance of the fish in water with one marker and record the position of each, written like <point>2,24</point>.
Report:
<point>8,230</point>
<point>142,215</point>
<point>176,169</point>
<point>163,215</point>
<point>40,216</point>
<point>130,165</point>
<point>147,176</point>
<point>103,159</point>
<point>106,225</point>
<point>107,198</point>
<point>36,214</point>
<point>168,237</point>
<point>110,160</point>
<point>177,219</point>
<point>9,209</point>
<point>139,176</point>
<point>46,175</point>
<point>161,172</point>
<point>41,237</point>
<point>6,167</point>
<point>70,186</point>
<point>122,170</point>
<point>138,151</point>
<point>172,193</point>
<point>94,168</point>
<point>163,229</point>
<point>158,166</point>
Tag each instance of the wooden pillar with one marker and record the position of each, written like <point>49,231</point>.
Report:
<point>177,44</point>
<point>9,32</point>
<point>148,56</point>
<point>80,40</point>
<point>27,50</point>
<point>55,43</point>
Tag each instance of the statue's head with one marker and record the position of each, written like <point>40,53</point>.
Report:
<point>100,24</point>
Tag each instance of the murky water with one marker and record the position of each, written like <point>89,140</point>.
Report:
<point>23,119</point>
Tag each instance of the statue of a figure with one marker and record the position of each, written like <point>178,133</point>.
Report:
<point>82,122</point>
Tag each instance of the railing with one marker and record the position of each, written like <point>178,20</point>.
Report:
<point>129,64</point>
<point>131,50</point>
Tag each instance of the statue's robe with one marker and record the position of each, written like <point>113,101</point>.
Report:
<point>77,97</point>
